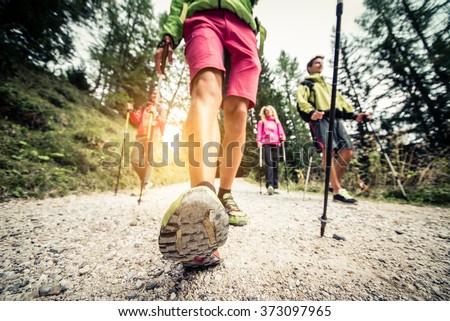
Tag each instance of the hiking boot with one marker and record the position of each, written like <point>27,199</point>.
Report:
<point>270,190</point>
<point>235,215</point>
<point>192,229</point>
<point>203,261</point>
<point>276,191</point>
<point>344,196</point>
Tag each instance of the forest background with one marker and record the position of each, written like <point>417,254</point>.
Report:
<point>58,110</point>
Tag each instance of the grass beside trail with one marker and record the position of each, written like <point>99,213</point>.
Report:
<point>419,196</point>
<point>52,139</point>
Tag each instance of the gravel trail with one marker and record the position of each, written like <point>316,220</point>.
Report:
<point>104,247</point>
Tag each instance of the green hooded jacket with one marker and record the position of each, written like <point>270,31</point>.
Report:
<point>182,9</point>
<point>318,98</point>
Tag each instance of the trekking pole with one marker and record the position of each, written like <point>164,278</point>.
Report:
<point>285,167</point>
<point>323,219</point>
<point>307,177</point>
<point>122,151</point>
<point>260,170</point>
<point>149,129</point>
<point>394,172</point>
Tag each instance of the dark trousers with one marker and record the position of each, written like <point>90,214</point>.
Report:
<point>271,156</point>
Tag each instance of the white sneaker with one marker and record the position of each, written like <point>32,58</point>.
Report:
<point>344,197</point>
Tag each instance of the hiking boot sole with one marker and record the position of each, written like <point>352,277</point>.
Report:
<point>194,226</point>
<point>203,262</point>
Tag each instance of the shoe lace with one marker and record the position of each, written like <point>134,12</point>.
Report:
<point>343,192</point>
<point>228,202</point>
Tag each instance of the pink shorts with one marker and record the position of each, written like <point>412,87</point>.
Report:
<point>216,38</point>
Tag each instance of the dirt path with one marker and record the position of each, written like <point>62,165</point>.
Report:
<point>104,247</point>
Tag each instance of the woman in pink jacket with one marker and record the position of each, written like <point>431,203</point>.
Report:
<point>269,137</point>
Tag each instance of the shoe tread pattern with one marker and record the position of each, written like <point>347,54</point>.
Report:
<point>197,228</point>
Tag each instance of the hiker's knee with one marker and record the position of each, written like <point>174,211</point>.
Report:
<point>346,155</point>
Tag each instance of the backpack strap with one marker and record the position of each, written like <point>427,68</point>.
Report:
<point>305,116</point>
<point>310,85</point>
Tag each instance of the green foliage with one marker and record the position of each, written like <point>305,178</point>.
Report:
<point>408,65</point>
<point>58,150</point>
<point>38,31</point>
<point>289,77</point>
<point>78,78</point>
<point>24,107</point>
<point>438,196</point>
<point>125,53</point>
<point>397,68</point>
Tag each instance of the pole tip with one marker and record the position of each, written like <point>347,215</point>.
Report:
<point>323,223</point>
<point>322,228</point>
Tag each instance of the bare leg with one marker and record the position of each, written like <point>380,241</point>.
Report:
<point>235,121</point>
<point>201,124</point>
<point>342,162</point>
<point>334,181</point>
<point>195,244</point>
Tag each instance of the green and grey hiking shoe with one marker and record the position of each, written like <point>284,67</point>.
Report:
<point>270,190</point>
<point>192,229</point>
<point>344,196</point>
<point>236,216</point>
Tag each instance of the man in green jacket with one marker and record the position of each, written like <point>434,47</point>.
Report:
<point>314,102</point>
<point>220,49</point>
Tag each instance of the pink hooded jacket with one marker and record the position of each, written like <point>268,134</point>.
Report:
<point>270,132</point>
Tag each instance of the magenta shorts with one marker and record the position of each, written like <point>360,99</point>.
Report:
<point>219,38</point>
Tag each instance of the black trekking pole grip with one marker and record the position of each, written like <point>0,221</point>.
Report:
<point>339,7</point>
<point>323,219</point>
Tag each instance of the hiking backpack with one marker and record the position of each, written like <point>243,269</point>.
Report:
<point>305,116</point>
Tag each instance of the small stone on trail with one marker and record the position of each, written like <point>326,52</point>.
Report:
<point>151,285</point>
<point>50,289</point>
<point>338,237</point>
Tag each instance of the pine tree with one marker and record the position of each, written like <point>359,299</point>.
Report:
<point>408,73</point>
<point>288,79</point>
<point>125,53</point>
<point>39,32</point>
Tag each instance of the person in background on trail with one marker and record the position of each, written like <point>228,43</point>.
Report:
<point>140,119</point>
<point>269,136</point>
<point>314,103</point>
<point>221,51</point>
